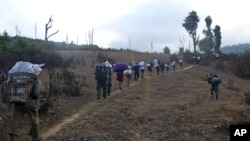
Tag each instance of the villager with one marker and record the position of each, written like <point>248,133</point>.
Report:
<point>214,80</point>
<point>26,88</point>
<point>101,76</point>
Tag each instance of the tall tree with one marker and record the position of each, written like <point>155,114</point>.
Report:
<point>207,44</point>
<point>181,45</point>
<point>90,37</point>
<point>204,45</point>
<point>217,36</point>
<point>208,34</point>
<point>191,25</point>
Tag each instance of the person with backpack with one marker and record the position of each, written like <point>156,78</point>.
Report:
<point>110,71</point>
<point>162,66</point>
<point>119,78</point>
<point>173,65</point>
<point>167,66</point>
<point>136,71</point>
<point>101,76</point>
<point>26,88</point>
<point>214,81</point>
<point>128,73</point>
<point>149,67</point>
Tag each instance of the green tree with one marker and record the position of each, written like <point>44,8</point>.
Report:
<point>206,44</point>
<point>4,41</point>
<point>191,25</point>
<point>208,33</point>
<point>166,50</point>
<point>217,36</point>
<point>181,50</point>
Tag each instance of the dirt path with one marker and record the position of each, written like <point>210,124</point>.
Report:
<point>147,87</point>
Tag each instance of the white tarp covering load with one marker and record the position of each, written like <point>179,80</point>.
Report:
<point>28,67</point>
<point>128,71</point>
<point>107,64</point>
<point>141,63</point>
<point>155,62</point>
<point>23,75</point>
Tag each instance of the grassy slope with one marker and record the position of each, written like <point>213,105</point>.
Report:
<point>174,106</point>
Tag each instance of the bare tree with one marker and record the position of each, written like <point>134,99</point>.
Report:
<point>90,37</point>
<point>181,45</point>
<point>47,27</point>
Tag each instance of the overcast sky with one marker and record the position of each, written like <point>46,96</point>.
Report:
<point>116,21</point>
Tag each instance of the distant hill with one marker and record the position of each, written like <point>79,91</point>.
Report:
<point>240,48</point>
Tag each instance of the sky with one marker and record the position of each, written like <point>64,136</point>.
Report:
<point>134,24</point>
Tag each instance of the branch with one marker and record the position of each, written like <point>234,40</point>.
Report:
<point>52,34</point>
<point>50,19</point>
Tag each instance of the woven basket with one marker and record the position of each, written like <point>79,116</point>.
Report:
<point>22,84</point>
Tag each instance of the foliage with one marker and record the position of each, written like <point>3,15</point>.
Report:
<point>208,40</point>
<point>188,56</point>
<point>239,65</point>
<point>191,25</point>
<point>166,50</point>
<point>204,46</point>
<point>181,50</point>
<point>217,35</point>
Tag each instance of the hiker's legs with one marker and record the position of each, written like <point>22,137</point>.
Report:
<point>104,91</point>
<point>109,89</point>
<point>98,91</point>
<point>212,91</point>
<point>216,89</point>
<point>109,85</point>
<point>16,121</point>
<point>34,131</point>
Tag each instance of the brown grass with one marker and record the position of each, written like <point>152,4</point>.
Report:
<point>169,107</point>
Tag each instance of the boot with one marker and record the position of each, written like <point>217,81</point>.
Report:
<point>13,138</point>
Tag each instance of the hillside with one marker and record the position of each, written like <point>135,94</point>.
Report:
<point>239,48</point>
<point>167,107</point>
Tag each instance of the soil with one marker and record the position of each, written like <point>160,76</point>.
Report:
<point>173,106</point>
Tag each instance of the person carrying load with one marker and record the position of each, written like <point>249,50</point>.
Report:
<point>25,91</point>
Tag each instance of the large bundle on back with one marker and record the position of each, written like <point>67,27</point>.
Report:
<point>22,76</point>
<point>142,65</point>
<point>109,67</point>
<point>156,62</point>
<point>120,67</point>
<point>137,66</point>
<point>128,71</point>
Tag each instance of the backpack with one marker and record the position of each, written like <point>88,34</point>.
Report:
<point>215,80</point>
<point>101,73</point>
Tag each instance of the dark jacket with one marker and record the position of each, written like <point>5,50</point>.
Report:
<point>214,80</point>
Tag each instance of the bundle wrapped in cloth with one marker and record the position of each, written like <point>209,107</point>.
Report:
<point>128,71</point>
<point>120,67</point>
<point>27,67</point>
<point>109,67</point>
<point>23,75</point>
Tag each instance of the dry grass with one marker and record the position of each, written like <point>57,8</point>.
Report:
<point>170,107</point>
